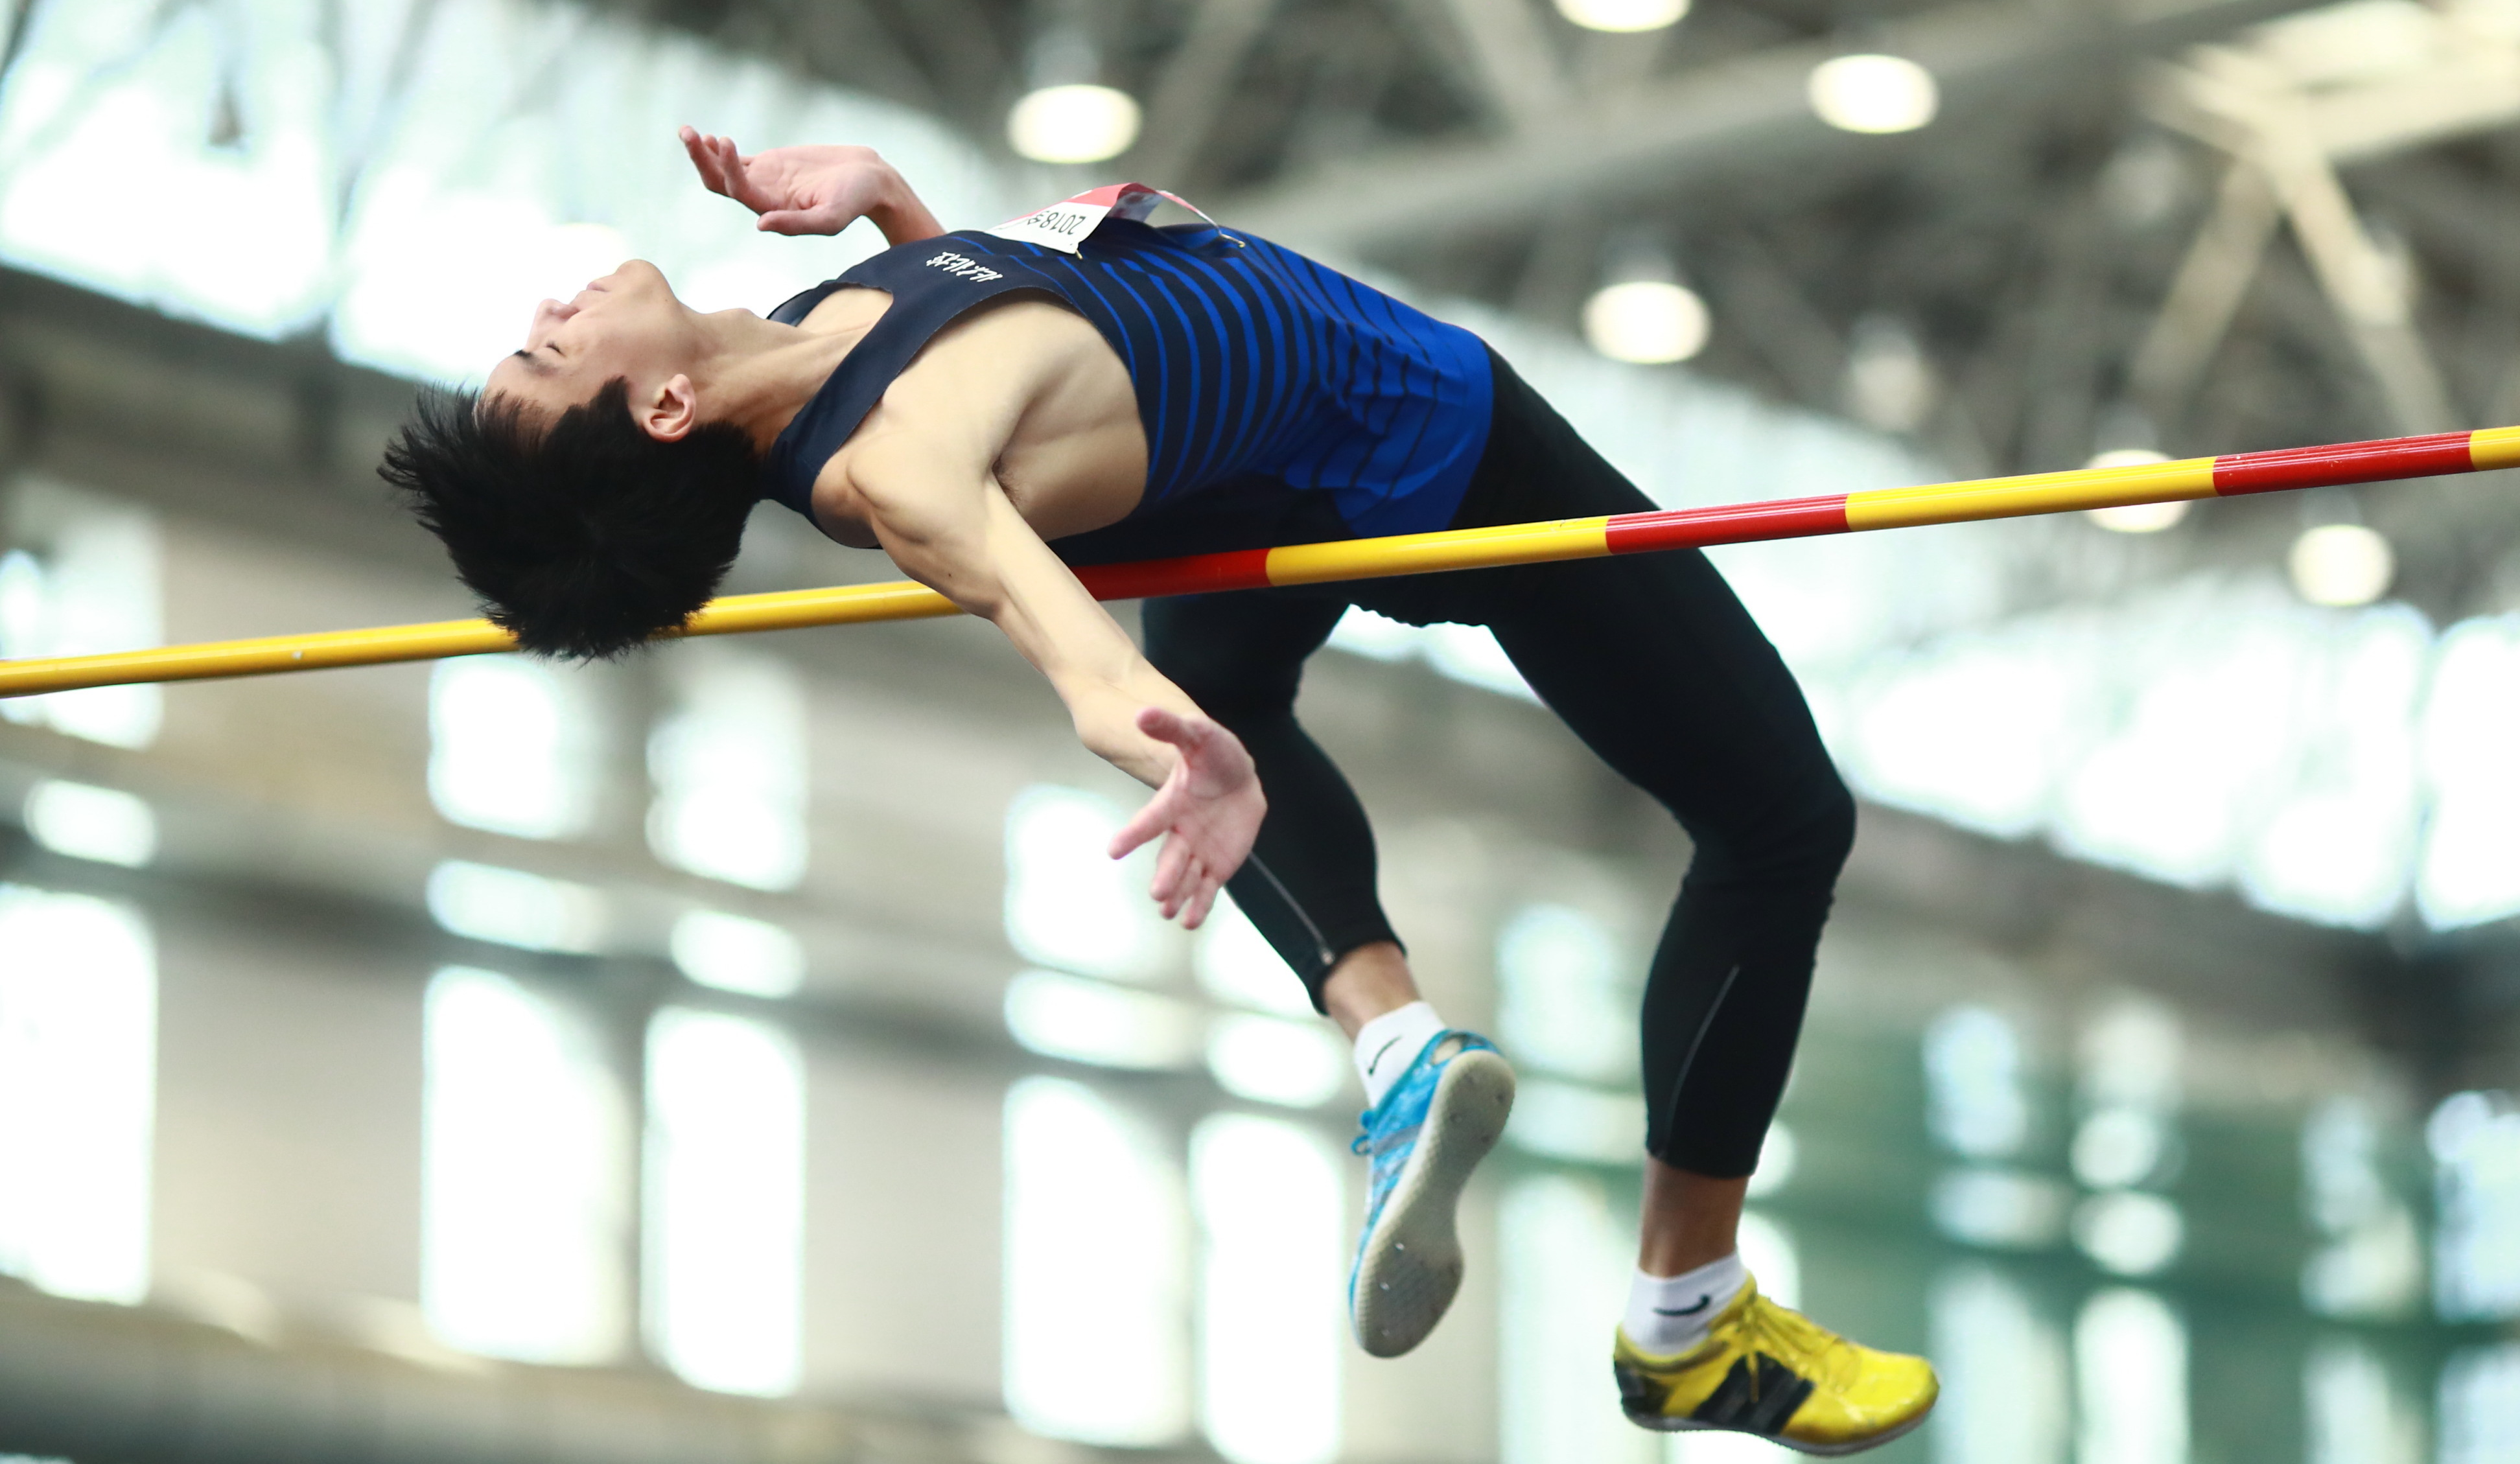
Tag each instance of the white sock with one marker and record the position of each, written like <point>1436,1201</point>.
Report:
<point>1668,1315</point>
<point>1385,1046</point>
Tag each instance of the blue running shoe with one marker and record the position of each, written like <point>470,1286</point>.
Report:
<point>1426,1137</point>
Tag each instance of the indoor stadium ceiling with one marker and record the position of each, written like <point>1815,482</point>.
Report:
<point>2164,225</point>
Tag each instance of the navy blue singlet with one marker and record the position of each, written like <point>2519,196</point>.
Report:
<point>1257,371</point>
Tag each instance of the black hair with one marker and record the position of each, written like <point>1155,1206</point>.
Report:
<point>586,537</point>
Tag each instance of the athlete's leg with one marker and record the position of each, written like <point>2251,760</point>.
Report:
<point>1436,1100</point>
<point>1309,885</point>
<point>1654,662</point>
<point>1656,666</point>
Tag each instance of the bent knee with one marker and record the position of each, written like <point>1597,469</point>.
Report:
<point>1798,850</point>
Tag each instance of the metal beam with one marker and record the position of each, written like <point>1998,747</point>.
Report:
<point>1745,116</point>
<point>2206,294</point>
<point>2243,104</point>
<point>1515,62</point>
<point>1194,81</point>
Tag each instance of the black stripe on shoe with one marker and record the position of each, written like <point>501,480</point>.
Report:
<point>1642,1396</point>
<point>1757,1397</point>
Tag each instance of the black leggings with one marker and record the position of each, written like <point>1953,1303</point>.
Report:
<point>1656,666</point>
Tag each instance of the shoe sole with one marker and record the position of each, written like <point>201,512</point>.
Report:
<point>1411,1267</point>
<point>1825,1450</point>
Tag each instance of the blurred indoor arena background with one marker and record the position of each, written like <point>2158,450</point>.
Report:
<point>736,1053</point>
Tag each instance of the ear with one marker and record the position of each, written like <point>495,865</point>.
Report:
<point>670,413</point>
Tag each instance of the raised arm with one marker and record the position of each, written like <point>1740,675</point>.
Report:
<point>946,522</point>
<point>813,189</point>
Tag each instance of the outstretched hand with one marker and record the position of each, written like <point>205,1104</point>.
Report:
<point>794,189</point>
<point>1209,811</point>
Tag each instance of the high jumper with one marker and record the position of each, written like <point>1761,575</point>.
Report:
<point>992,408</point>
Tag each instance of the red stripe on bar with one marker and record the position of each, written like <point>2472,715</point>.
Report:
<point>1192,574</point>
<point>2345,462</point>
<point>1731,523</point>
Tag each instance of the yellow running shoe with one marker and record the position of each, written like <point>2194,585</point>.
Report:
<point>1776,1373</point>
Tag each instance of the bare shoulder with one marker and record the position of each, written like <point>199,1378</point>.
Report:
<point>1021,391</point>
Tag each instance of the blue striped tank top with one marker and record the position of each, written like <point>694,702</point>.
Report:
<point>1262,378</point>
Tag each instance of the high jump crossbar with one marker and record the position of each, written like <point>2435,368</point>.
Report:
<point>2191,478</point>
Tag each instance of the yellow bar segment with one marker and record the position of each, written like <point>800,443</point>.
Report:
<point>785,609</point>
<point>176,663</point>
<point>2493,446</point>
<point>2032,493</point>
<point>1426,553</point>
<point>796,609</point>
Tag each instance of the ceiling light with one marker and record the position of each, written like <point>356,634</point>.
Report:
<point>2341,564</point>
<point>1873,94</point>
<point>1646,321</point>
<point>2135,518</point>
<point>1078,122</point>
<point>1623,15</point>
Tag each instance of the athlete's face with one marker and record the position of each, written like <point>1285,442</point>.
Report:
<point>627,323</point>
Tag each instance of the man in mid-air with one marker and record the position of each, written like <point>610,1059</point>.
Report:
<point>989,407</point>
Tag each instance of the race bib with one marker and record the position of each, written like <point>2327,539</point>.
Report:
<point>1065,225</point>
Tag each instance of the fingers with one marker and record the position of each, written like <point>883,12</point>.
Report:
<point>720,166</point>
<point>1172,869</point>
<point>1203,902</point>
<point>1153,819</point>
<point>1193,886</point>
<point>706,160</point>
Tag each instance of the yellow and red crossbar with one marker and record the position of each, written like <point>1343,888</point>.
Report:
<point>1374,558</point>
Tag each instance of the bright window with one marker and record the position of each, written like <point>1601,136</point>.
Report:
<point>2005,1379</point>
<point>2354,1416</point>
<point>2475,1143</point>
<point>1272,1060</point>
<point>738,954</point>
<point>86,582</point>
<point>1069,904</point>
<point>514,908</point>
<point>725,1200</point>
<point>230,132</point>
<point>1565,1260</point>
<point>730,770</point>
<point>1977,1102</point>
<point>2480,1405</point>
<point>1562,1006</point>
<point>2470,868</point>
<point>87,822</point>
<point>1271,1336</point>
<point>1096,1264</point>
<point>2370,1260</point>
<point>78,1034</point>
<point>1083,1020</point>
<point>2341,845</point>
<point>2130,1380</point>
<point>1237,965</point>
<point>524,1176</point>
<point>511,747</point>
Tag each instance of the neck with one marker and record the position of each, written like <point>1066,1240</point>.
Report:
<point>757,375</point>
